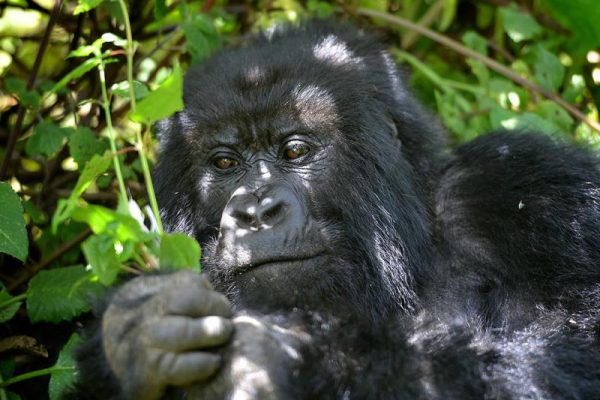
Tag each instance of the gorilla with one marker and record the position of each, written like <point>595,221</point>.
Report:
<point>348,253</point>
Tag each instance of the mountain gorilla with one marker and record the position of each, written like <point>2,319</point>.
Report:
<point>347,253</point>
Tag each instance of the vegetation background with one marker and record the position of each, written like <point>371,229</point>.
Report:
<point>83,81</point>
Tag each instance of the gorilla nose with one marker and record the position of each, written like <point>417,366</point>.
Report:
<point>269,207</point>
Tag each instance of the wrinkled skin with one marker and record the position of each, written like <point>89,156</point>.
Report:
<point>349,254</point>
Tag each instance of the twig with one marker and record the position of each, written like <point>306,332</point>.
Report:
<point>499,68</point>
<point>430,16</point>
<point>31,271</point>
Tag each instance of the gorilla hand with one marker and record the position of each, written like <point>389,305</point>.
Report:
<point>261,362</point>
<point>158,331</point>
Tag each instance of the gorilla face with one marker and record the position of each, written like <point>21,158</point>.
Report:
<point>294,171</point>
<point>269,171</point>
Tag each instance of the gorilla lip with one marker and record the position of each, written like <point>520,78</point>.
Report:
<point>283,260</point>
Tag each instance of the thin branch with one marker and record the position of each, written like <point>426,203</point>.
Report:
<point>493,65</point>
<point>31,271</point>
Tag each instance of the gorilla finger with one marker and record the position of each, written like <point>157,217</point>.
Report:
<point>193,302</point>
<point>191,277</point>
<point>141,288</point>
<point>185,368</point>
<point>175,333</point>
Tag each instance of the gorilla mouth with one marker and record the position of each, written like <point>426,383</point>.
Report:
<point>278,262</point>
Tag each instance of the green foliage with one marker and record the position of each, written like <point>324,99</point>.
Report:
<point>120,226</point>
<point>47,139</point>
<point>12,225</point>
<point>581,18</point>
<point>162,102</point>
<point>518,26</point>
<point>9,305</point>
<point>62,375</point>
<point>84,146</point>
<point>549,72</point>
<point>86,5</point>
<point>93,168</point>
<point>179,251</point>
<point>60,294</point>
<point>29,98</point>
<point>201,35</point>
<point>99,250</point>
<point>122,89</point>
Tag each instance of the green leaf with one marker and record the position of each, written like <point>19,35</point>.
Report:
<point>28,98</point>
<point>7,367</point>
<point>37,216</point>
<point>9,305</point>
<point>83,145</point>
<point>122,89</point>
<point>320,9</point>
<point>475,41</point>
<point>162,102</point>
<point>518,26</point>
<point>552,112</point>
<point>60,294</point>
<point>581,18</point>
<point>84,51</point>
<point>379,5</point>
<point>81,70</point>
<point>97,165</point>
<point>86,5</point>
<point>549,72</point>
<point>160,9</point>
<point>104,220</point>
<point>63,374</point>
<point>504,119</point>
<point>179,251</point>
<point>110,37</point>
<point>448,14</point>
<point>574,89</point>
<point>99,250</point>
<point>13,235</point>
<point>201,37</point>
<point>47,139</point>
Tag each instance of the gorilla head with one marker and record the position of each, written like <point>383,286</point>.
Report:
<point>294,164</point>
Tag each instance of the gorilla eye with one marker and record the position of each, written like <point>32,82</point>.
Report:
<point>225,163</point>
<point>294,150</point>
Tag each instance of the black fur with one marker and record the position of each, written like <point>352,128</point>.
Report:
<point>465,274</point>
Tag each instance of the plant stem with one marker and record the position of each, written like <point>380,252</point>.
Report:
<point>139,138</point>
<point>111,134</point>
<point>34,374</point>
<point>129,52</point>
<point>149,184</point>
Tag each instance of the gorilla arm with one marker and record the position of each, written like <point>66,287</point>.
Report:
<point>161,331</point>
<point>163,335</point>
<point>169,334</point>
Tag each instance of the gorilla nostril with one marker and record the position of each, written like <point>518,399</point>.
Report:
<point>245,219</point>
<point>272,214</point>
